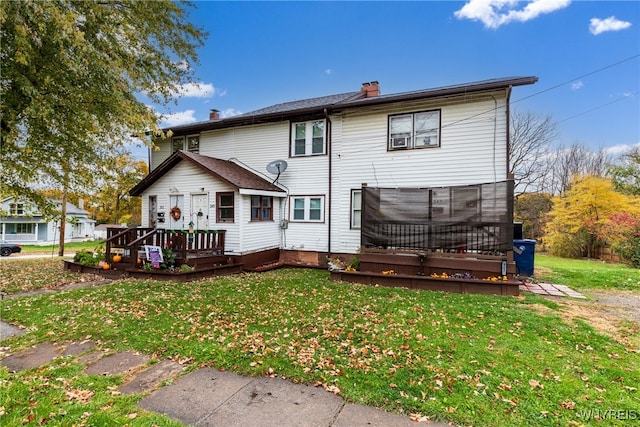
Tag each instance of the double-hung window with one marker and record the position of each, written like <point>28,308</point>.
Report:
<point>307,138</point>
<point>307,209</point>
<point>225,211</point>
<point>16,209</point>
<point>261,208</point>
<point>190,143</point>
<point>414,130</point>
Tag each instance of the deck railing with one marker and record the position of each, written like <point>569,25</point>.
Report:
<point>129,242</point>
<point>491,238</point>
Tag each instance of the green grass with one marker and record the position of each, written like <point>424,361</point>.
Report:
<point>586,274</point>
<point>468,359</point>
<point>53,249</point>
<point>24,275</point>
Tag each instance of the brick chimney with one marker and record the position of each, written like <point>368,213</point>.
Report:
<point>214,114</point>
<point>370,89</point>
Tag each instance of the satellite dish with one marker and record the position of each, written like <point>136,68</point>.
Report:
<point>277,167</point>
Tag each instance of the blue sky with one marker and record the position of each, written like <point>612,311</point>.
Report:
<point>586,55</point>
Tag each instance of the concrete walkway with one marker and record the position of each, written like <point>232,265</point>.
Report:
<point>208,397</point>
<point>549,289</point>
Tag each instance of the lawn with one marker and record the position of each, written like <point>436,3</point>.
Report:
<point>30,274</point>
<point>53,249</point>
<point>586,273</point>
<point>467,359</point>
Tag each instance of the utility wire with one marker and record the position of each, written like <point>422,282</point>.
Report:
<point>550,89</point>
<point>577,78</point>
<point>599,106</point>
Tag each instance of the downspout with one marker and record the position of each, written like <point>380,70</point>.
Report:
<point>508,113</point>
<point>329,193</point>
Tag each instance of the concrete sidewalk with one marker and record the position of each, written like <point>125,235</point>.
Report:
<point>208,397</point>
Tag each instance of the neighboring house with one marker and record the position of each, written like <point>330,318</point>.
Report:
<point>100,232</point>
<point>213,174</point>
<point>22,223</point>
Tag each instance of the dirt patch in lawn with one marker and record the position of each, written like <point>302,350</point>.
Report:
<point>614,313</point>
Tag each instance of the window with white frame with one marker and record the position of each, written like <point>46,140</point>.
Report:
<point>307,208</point>
<point>16,209</point>
<point>190,143</point>
<point>177,144</point>
<point>307,138</point>
<point>414,130</point>
<point>356,208</point>
<point>193,144</point>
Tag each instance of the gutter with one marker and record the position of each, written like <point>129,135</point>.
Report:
<point>330,166</point>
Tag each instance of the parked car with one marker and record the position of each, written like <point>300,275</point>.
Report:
<point>7,248</point>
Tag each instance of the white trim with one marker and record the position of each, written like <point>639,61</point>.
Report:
<point>252,192</point>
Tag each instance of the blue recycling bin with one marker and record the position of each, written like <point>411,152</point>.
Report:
<point>524,251</point>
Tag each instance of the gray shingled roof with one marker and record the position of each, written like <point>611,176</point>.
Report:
<point>224,170</point>
<point>336,103</point>
<point>322,101</point>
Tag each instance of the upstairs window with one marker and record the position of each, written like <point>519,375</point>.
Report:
<point>414,130</point>
<point>177,144</point>
<point>307,209</point>
<point>261,208</point>
<point>16,209</point>
<point>193,144</point>
<point>308,138</point>
<point>189,143</point>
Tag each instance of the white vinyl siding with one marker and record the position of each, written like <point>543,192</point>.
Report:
<point>472,150</point>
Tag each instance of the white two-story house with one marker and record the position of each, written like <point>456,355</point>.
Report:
<point>291,176</point>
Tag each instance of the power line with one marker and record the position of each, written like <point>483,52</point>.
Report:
<point>579,77</point>
<point>599,106</point>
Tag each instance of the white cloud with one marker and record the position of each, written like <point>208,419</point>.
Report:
<point>620,149</point>
<point>576,85</point>
<point>174,119</point>
<point>195,90</point>
<point>494,13</point>
<point>229,112</point>
<point>599,26</point>
<point>328,71</point>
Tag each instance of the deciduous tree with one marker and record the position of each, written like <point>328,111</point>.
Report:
<point>626,174</point>
<point>70,75</point>
<point>532,209</point>
<point>579,215</point>
<point>121,175</point>
<point>530,138</point>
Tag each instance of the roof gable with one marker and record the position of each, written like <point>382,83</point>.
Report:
<point>224,170</point>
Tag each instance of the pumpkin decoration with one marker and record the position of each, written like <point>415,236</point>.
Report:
<point>175,213</point>
<point>106,266</point>
<point>117,258</point>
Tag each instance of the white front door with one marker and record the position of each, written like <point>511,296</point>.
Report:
<point>176,212</point>
<point>200,211</point>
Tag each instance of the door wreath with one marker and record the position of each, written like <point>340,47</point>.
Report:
<point>175,213</point>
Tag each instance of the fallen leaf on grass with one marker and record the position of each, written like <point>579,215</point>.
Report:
<point>536,384</point>
<point>82,396</point>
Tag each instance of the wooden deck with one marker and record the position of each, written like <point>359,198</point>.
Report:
<point>414,270</point>
<point>200,247</point>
